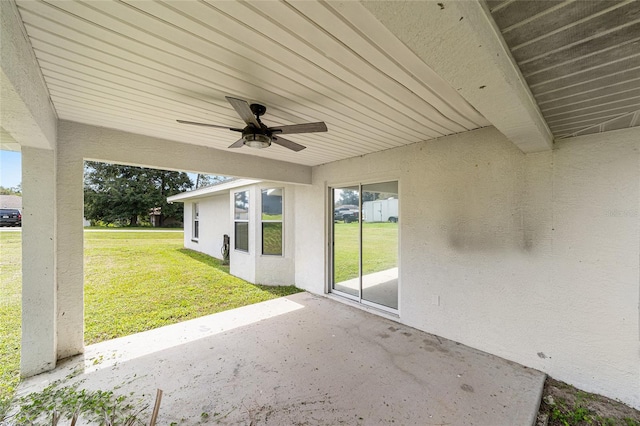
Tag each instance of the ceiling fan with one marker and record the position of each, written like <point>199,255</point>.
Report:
<point>256,134</point>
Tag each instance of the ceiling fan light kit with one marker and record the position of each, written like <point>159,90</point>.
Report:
<point>256,134</point>
<point>256,140</point>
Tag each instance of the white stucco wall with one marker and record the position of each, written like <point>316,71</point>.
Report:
<point>215,221</point>
<point>252,265</point>
<point>534,257</point>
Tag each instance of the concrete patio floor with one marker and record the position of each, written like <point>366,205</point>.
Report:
<point>307,360</point>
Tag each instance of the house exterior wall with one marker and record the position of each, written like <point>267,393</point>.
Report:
<point>534,257</point>
<point>214,222</point>
<point>278,270</point>
<point>253,266</point>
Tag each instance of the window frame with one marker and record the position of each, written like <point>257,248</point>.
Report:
<point>280,221</point>
<point>331,239</point>
<point>237,220</point>
<point>195,222</point>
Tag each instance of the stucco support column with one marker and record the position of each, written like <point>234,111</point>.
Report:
<point>38,351</point>
<point>70,275</point>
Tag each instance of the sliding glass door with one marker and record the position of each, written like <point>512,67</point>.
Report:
<point>365,243</point>
<point>346,240</point>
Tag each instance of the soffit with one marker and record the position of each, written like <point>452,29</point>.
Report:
<point>581,60</point>
<point>138,66</point>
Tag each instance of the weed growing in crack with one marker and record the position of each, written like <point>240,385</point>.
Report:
<point>55,402</point>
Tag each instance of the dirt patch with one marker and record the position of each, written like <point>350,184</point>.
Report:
<point>564,405</point>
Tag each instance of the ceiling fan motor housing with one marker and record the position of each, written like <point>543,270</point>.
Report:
<point>253,130</point>
<point>258,109</point>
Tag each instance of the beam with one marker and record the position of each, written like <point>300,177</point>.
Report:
<point>7,143</point>
<point>108,145</point>
<point>460,42</point>
<point>26,111</point>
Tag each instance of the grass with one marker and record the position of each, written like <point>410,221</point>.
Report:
<point>134,281</point>
<point>380,248</point>
<point>131,228</point>
<point>564,405</point>
<point>266,216</point>
<point>10,311</point>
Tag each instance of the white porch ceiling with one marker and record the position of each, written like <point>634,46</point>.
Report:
<point>140,65</point>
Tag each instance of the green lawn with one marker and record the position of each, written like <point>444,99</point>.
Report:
<point>380,248</point>
<point>10,311</point>
<point>134,281</point>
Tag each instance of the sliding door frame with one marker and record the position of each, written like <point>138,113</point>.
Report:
<point>331,244</point>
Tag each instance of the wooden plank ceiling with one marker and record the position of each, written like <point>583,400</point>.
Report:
<point>581,60</point>
<point>140,65</point>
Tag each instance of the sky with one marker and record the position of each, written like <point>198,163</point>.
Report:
<point>10,168</point>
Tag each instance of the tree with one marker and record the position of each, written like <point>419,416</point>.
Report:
<point>114,193</point>
<point>348,197</point>
<point>15,190</point>
<point>202,181</point>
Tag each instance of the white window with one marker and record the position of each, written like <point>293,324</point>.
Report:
<point>196,221</point>
<point>241,221</point>
<point>272,221</point>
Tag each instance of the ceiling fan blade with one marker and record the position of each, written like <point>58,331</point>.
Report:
<point>208,125</point>
<point>242,108</point>
<point>237,144</point>
<point>287,143</point>
<point>300,128</point>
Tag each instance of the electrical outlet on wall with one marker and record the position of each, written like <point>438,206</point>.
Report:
<point>435,300</point>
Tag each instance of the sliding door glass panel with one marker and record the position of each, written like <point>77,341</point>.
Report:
<point>380,243</point>
<point>346,240</point>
